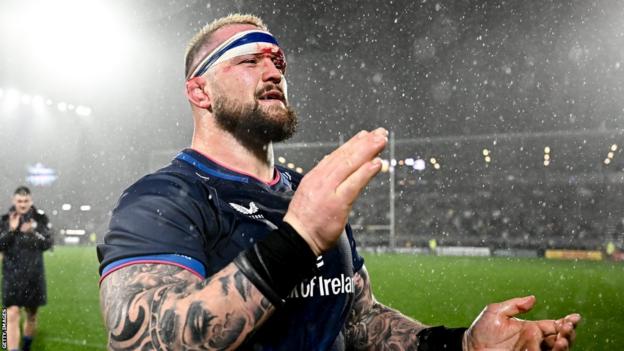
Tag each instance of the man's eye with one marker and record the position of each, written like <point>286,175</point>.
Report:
<point>251,60</point>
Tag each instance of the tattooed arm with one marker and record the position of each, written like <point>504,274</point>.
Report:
<point>373,326</point>
<point>164,307</point>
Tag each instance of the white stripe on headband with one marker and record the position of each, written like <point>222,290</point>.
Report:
<point>243,43</point>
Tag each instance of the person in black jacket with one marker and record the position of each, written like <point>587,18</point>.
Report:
<point>24,235</point>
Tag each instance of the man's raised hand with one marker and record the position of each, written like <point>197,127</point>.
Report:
<point>321,205</point>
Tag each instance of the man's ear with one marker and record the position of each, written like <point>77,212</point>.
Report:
<point>196,94</point>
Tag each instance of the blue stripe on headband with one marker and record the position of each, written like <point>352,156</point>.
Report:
<point>251,37</point>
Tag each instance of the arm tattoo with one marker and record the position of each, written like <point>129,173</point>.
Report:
<point>373,326</point>
<point>164,307</point>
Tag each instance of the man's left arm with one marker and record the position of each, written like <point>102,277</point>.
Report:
<point>371,325</point>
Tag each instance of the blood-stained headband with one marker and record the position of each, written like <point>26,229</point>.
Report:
<point>249,42</point>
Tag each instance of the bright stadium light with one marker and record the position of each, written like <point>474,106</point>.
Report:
<point>420,165</point>
<point>290,165</point>
<point>26,99</point>
<point>547,150</point>
<point>486,152</point>
<point>73,41</point>
<point>299,170</point>
<point>281,159</point>
<point>11,100</point>
<point>607,161</point>
<point>610,154</point>
<point>85,208</point>
<point>614,147</point>
<point>66,207</point>
<point>83,111</point>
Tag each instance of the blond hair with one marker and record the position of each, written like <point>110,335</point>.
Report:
<point>202,39</point>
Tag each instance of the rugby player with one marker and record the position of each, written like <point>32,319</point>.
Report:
<point>222,249</point>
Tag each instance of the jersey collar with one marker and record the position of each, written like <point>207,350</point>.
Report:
<point>219,170</point>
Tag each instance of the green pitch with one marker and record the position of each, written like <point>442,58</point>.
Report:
<point>435,290</point>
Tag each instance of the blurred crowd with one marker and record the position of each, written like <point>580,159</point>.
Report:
<point>524,216</point>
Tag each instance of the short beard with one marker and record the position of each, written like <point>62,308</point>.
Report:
<point>251,124</point>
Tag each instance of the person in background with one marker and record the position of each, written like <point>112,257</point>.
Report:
<point>24,235</point>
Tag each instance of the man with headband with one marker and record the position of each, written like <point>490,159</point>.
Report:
<point>223,250</point>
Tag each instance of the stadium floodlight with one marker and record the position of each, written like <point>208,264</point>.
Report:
<point>436,166</point>
<point>420,165</point>
<point>11,100</point>
<point>26,99</point>
<point>83,111</point>
<point>281,159</point>
<point>291,165</point>
<point>409,161</point>
<point>85,208</point>
<point>486,152</point>
<point>299,170</point>
<point>614,147</point>
<point>385,166</point>
<point>488,159</point>
<point>38,104</point>
<point>66,207</point>
<point>547,149</point>
<point>547,157</point>
<point>607,161</point>
<point>433,160</point>
<point>77,41</point>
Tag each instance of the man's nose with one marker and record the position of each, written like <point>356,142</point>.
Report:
<point>270,72</point>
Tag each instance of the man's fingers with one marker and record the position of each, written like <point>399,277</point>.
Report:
<point>561,345</point>
<point>515,306</point>
<point>566,331</point>
<point>348,158</point>
<point>573,318</point>
<point>353,185</point>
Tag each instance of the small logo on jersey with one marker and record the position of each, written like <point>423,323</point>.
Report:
<point>201,176</point>
<point>244,210</point>
<point>252,212</point>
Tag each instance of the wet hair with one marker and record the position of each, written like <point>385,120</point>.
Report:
<point>22,190</point>
<point>202,39</point>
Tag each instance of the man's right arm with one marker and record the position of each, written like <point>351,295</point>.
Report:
<point>6,234</point>
<point>160,306</point>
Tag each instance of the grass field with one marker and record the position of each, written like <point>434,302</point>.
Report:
<point>435,290</point>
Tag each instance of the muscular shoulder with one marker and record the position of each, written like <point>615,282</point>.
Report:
<point>173,185</point>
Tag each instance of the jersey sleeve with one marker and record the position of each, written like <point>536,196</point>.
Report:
<point>160,219</point>
<point>358,261</point>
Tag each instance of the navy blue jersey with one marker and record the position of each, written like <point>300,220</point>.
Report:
<point>199,215</point>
